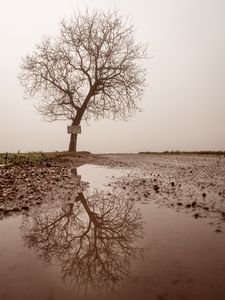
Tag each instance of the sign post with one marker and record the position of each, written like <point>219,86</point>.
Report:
<point>73,129</point>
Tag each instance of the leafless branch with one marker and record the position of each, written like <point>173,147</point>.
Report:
<point>92,68</point>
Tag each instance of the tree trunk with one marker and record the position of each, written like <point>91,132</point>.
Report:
<point>73,143</point>
<point>76,122</point>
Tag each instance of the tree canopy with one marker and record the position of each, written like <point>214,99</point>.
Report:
<point>90,69</point>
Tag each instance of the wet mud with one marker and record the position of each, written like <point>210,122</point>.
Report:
<point>119,227</point>
<point>194,184</point>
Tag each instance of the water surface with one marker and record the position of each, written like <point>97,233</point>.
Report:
<point>102,245</point>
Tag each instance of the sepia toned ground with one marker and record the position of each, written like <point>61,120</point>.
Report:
<point>121,226</point>
<point>194,184</point>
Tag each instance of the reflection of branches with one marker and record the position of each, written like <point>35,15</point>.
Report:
<point>93,240</point>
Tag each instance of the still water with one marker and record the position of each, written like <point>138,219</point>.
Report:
<point>102,245</point>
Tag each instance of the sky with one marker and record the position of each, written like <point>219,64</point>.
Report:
<point>183,106</point>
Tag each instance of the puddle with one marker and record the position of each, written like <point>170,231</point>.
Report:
<point>99,177</point>
<point>101,245</point>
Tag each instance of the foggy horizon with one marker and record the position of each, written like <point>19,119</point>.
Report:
<point>183,105</point>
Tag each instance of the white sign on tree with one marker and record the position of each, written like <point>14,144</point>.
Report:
<point>73,129</point>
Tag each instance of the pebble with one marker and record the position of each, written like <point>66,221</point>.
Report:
<point>193,204</point>
<point>25,207</point>
<point>15,209</point>
<point>156,187</point>
<point>205,207</point>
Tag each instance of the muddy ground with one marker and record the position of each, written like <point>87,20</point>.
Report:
<point>172,201</point>
<point>27,185</point>
<point>192,183</point>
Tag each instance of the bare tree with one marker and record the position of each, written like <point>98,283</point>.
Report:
<point>92,240</point>
<point>92,68</point>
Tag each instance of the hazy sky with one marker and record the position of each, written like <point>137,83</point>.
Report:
<point>183,105</point>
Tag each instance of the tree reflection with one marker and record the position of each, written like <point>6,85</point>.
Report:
<point>93,239</point>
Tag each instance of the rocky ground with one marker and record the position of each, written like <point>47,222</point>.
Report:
<point>194,183</point>
<point>28,185</point>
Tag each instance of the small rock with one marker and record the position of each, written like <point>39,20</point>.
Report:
<point>25,207</point>
<point>15,209</point>
<point>172,183</point>
<point>218,230</point>
<point>203,195</point>
<point>205,207</point>
<point>193,204</point>
<point>179,203</point>
<point>196,215</point>
<point>156,188</point>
